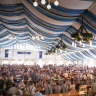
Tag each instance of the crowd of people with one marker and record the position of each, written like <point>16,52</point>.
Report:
<point>21,80</point>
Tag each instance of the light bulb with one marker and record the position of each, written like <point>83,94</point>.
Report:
<point>48,6</point>
<point>43,2</point>
<point>14,37</point>
<point>10,37</point>
<point>42,38</point>
<point>35,4</point>
<point>56,3</point>
<point>72,43</point>
<point>90,43</point>
<point>75,45</point>
<point>80,42</point>
<point>33,38</point>
<point>37,37</point>
<point>83,45</point>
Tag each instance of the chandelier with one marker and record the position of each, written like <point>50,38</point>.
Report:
<point>37,37</point>
<point>60,46</point>
<point>43,2</point>
<point>11,37</point>
<point>82,35</point>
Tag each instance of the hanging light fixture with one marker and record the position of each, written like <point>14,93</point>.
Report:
<point>83,45</point>
<point>43,2</point>
<point>35,3</point>
<point>82,35</point>
<point>72,43</point>
<point>90,43</point>
<point>11,37</point>
<point>56,3</point>
<point>37,37</point>
<point>42,37</point>
<point>80,42</point>
<point>33,37</point>
<point>48,6</point>
<point>60,46</point>
<point>75,45</point>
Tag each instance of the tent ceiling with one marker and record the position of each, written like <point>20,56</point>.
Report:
<point>22,19</point>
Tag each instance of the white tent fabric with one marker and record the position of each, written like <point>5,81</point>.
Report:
<point>21,19</point>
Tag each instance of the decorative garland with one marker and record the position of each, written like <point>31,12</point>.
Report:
<point>61,45</point>
<point>82,34</point>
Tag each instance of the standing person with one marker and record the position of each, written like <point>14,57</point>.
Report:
<point>64,87</point>
<point>31,88</point>
<point>77,86</point>
<point>12,91</point>
<point>48,88</point>
<point>1,85</point>
<point>34,76</point>
<point>57,88</point>
<point>19,92</point>
<point>26,77</point>
<point>37,93</point>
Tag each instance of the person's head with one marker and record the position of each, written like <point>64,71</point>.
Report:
<point>57,83</point>
<point>13,85</point>
<point>64,81</point>
<point>94,80</point>
<point>18,92</point>
<point>37,90</point>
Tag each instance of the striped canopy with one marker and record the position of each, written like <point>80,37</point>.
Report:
<point>21,19</point>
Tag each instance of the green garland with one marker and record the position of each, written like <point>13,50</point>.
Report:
<point>60,45</point>
<point>82,34</point>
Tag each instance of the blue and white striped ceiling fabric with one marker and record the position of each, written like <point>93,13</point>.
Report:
<point>24,21</point>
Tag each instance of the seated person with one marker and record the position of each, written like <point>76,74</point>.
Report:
<point>94,85</point>
<point>37,93</point>
<point>12,91</point>
<point>57,88</point>
<point>64,87</point>
<point>48,88</point>
<point>19,92</point>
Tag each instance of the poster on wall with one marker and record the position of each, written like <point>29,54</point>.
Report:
<point>6,53</point>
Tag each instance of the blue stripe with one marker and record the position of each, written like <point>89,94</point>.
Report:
<point>11,14</point>
<point>78,54</point>
<point>93,51</point>
<point>10,6</point>
<point>13,21</point>
<point>62,9</point>
<point>86,54</point>
<point>44,22</point>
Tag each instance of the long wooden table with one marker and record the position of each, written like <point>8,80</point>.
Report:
<point>65,94</point>
<point>73,93</point>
